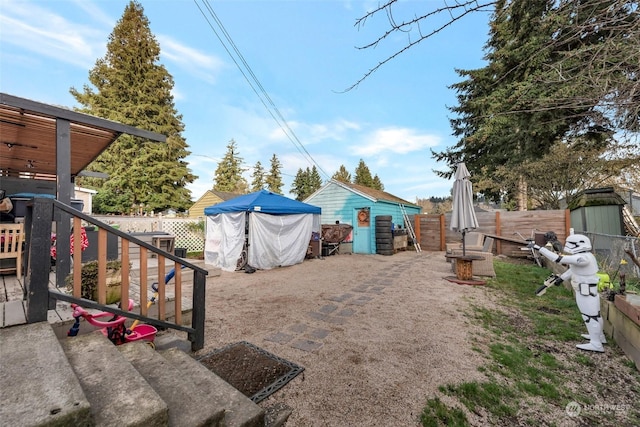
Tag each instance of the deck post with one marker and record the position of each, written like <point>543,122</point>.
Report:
<point>197,318</point>
<point>38,225</point>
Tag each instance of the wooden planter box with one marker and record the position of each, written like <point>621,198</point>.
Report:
<point>622,322</point>
<point>632,311</point>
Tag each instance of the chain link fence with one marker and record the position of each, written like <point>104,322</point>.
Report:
<point>612,253</point>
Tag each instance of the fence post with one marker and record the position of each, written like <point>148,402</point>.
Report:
<point>443,237</point>
<point>498,233</point>
<point>38,224</point>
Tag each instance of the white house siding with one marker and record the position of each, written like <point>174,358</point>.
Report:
<point>86,195</point>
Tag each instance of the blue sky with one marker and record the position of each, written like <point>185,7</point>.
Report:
<point>304,55</point>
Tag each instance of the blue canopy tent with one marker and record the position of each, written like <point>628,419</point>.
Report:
<point>263,201</point>
<point>274,230</point>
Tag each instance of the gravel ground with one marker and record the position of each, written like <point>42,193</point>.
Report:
<point>376,334</point>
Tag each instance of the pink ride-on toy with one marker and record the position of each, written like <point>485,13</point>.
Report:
<point>114,328</point>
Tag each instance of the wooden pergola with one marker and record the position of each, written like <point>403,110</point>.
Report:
<point>49,143</point>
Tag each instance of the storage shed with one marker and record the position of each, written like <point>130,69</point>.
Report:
<point>359,206</point>
<point>209,198</point>
<point>598,210</point>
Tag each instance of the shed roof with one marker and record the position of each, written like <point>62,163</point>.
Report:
<point>371,193</point>
<point>597,197</point>
<point>222,195</point>
<point>225,195</point>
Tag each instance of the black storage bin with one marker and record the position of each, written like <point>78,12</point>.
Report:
<point>181,252</point>
<point>91,253</point>
<point>77,204</point>
<point>19,206</point>
<point>21,200</point>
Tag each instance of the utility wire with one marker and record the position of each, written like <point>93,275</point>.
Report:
<point>254,82</point>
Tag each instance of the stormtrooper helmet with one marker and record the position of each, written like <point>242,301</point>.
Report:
<point>577,243</point>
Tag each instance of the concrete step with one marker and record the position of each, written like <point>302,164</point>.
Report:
<point>118,394</point>
<point>187,407</point>
<point>240,411</point>
<point>87,381</point>
<point>38,387</point>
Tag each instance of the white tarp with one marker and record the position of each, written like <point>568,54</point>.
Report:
<point>278,240</point>
<point>224,240</point>
<point>274,240</point>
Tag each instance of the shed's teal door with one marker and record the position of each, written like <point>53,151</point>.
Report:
<point>361,231</point>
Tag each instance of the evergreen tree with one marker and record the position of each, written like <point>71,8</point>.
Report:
<point>498,129</point>
<point>363,175</point>
<point>274,179</point>
<point>131,87</point>
<point>342,175</point>
<point>560,74</point>
<point>315,180</point>
<point>299,186</point>
<point>377,184</point>
<point>306,183</point>
<point>228,176</point>
<point>257,182</point>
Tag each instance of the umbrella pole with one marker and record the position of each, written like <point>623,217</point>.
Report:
<point>464,249</point>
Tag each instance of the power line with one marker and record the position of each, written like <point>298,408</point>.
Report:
<point>254,82</point>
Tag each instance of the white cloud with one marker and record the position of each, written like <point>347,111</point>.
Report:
<point>201,65</point>
<point>38,30</point>
<point>394,140</point>
<point>95,12</point>
<point>199,187</point>
<point>314,133</point>
<point>338,130</point>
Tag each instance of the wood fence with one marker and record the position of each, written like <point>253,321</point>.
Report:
<point>433,232</point>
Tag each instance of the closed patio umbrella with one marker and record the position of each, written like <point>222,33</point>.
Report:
<point>463,217</point>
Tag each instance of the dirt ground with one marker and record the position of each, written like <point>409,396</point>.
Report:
<point>377,335</point>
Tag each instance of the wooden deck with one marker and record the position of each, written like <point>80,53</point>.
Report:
<point>12,294</point>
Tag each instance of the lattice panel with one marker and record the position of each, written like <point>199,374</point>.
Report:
<point>186,235</point>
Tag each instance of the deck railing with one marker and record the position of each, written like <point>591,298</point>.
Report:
<point>41,298</point>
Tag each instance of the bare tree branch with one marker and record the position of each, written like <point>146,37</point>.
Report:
<point>463,9</point>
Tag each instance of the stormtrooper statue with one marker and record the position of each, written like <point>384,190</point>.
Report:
<point>584,280</point>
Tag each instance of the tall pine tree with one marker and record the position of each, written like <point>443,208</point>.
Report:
<point>377,184</point>
<point>363,175</point>
<point>299,186</point>
<point>131,87</point>
<point>315,180</point>
<point>228,176</point>
<point>342,175</point>
<point>306,183</point>
<point>533,95</point>
<point>257,181</point>
<point>274,178</point>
